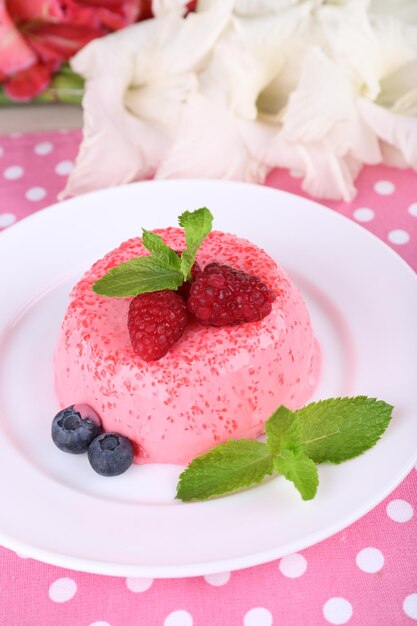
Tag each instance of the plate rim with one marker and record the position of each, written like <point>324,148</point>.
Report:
<point>172,182</point>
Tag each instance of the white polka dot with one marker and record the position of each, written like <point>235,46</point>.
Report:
<point>22,556</point>
<point>217,580</point>
<point>410,606</point>
<point>363,215</point>
<point>13,172</point>
<point>100,624</point>
<point>296,173</point>
<point>370,560</point>
<point>399,510</point>
<point>179,618</point>
<point>258,617</point>
<point>138,584</point>
<point>6,219</point>
<point>384,187</point>
<point>337,611</point>
<point>62,590</point>
<point>45,147</point>
<point>398,236</point>
<point>64,168</point>
<point>293,565</point>
<point>35,193</point>
<point>412,209</point>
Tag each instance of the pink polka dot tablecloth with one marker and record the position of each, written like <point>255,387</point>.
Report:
<point>365,575</point>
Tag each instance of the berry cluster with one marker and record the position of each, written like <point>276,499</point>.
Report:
<point>219,295</point>
<point>77,429</point>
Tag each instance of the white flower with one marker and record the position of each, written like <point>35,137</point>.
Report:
<point>136,83</point>
<point>243,86</point>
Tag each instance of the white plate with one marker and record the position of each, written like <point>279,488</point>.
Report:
<point>362,298</point>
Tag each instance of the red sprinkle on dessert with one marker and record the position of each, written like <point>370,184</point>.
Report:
<point>224,296</point>
<point>156,321</point>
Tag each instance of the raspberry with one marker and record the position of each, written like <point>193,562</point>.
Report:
<point>224,296</point>
<point>184,290</point>
<point>156,321</point>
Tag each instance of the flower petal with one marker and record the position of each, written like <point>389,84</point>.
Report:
<point>150,75</point>
<point>255,8</point>
<point>163,7</point>
<point>399,90</point>
<point>398,130</point>
<point>45,10</point>
<point>15,54</point>
<point>225,154</point>
<point>160,102</point>
<point>117,147</point>
<point>27,84</point>
<point>405,10</point>
<point>111,14</point>
<point>325,175</point>
<point>247,57</point>
<point>59,41</point>
<point>184,45</point>
<point>323,107</point>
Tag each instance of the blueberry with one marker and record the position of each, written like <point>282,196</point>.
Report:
<point>74,428</point>
<point>110,454</point>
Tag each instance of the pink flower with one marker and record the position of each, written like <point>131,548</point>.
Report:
<point>36,36</point>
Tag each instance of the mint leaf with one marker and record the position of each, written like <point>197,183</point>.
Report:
<point>284,440</point>
<point>283,430</point>
<point>297,467</point>
<point>339,429</point>
<point>160,251</point>
<point>197,225</point>
<point>139,275</point>
<point>228,467</point>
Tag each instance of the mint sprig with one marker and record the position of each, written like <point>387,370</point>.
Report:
<point>298,468</point>
<point>160,251</point>
<point>339,429</point>
<point>139,275</point>
<point>163,269</point>
<point>228,467</point>
<point>332,430</point>
<point>197,226</point>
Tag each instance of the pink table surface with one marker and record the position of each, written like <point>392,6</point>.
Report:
<point>365,575</point>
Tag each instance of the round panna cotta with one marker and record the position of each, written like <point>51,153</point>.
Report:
<point>215,384</point>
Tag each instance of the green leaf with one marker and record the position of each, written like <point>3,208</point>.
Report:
<point>139,275</point>
<point>339,429</point>
<point>197,225</point>
<point>300,470</point>
<point>228,467</point>
<point>283,430</point>
<point>160,251</point>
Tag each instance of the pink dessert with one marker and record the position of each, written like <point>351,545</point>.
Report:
<point>215,383</point>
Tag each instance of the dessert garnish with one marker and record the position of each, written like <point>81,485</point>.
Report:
<point>77,429</point>
<point>168,282</point>
<point>164,268</point>
<point>74,428</point>
<point>110,454</point>
<point>328,431</point>
<point>156,321</point>
<point>223,296</point>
